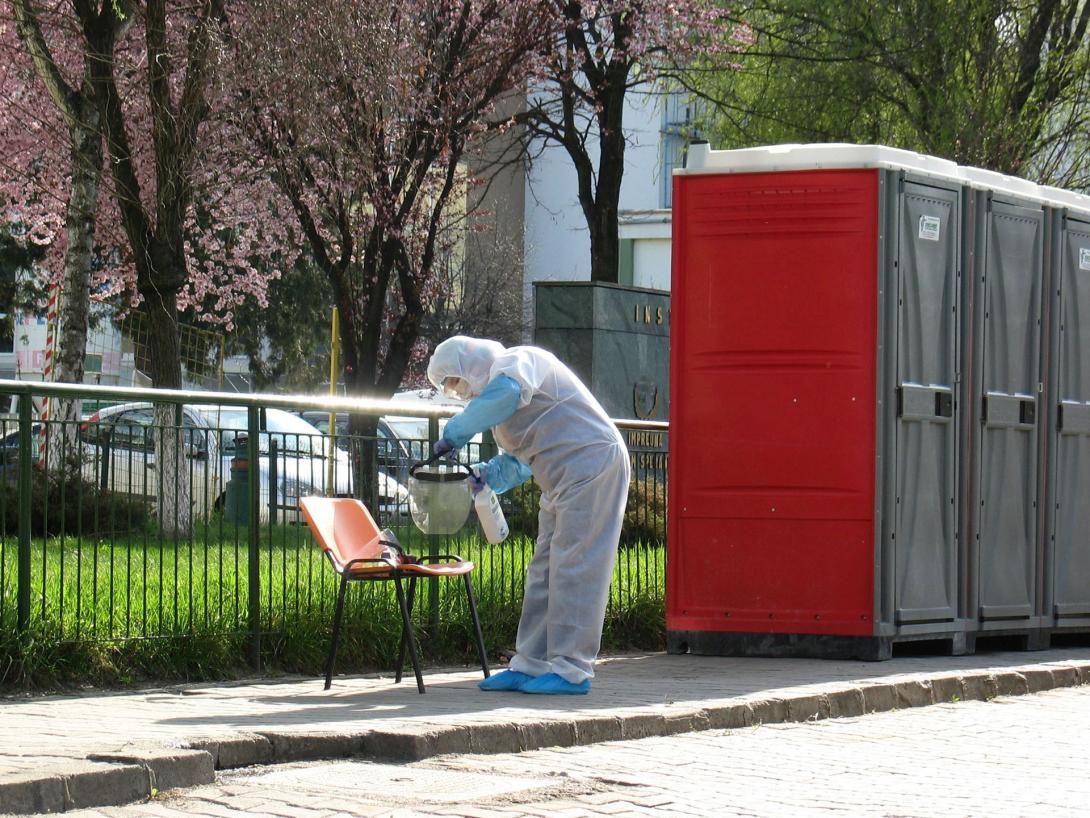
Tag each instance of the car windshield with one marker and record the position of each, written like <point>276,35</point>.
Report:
<point>409,428</point>
<point>413,433</point>
<point>292,434</point>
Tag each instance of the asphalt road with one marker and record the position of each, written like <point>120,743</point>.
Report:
<point>1020,756</point>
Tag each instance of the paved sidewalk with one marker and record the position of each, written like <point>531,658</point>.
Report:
<point>67,752</point>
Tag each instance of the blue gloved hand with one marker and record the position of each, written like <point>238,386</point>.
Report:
<point>478,478</point>
<point>444,448</point>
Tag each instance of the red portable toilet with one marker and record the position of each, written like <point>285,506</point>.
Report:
<point>815,415</point>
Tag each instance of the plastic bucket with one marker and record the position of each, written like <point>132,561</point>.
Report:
<point>439,497</point>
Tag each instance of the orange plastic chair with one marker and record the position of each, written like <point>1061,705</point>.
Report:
<point>360,552</point>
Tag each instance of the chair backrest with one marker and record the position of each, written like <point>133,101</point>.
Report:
<point>343,527</point>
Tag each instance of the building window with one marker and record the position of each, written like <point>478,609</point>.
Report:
<point>680,115</point>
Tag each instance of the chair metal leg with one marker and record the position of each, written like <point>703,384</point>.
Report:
<point>481,653</point>
<point>401,648</point>
<point>407,624</point>
<point>336,633</point>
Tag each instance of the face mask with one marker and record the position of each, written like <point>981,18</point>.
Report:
<point>456,388</point>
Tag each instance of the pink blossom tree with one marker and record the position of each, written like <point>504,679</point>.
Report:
<point>51,151</point>
<point>600,51</point>
<point>139,79</point>
<point>168,228</point>
<point>362,119</point>
<point>152,137</point>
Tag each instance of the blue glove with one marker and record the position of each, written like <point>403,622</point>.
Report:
<point>444,448</point>
<point>505,472</point>
<point>478,478</point>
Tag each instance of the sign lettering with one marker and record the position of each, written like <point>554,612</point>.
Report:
<point>646,314</point>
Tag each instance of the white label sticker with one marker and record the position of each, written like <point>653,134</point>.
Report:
<point>929,227</point>
<point>1084,258</point>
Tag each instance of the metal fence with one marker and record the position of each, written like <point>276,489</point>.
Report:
<point>134,524</point>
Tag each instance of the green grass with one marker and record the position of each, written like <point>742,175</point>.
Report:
<point>134,608</point>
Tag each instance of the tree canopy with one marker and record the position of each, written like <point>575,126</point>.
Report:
<point>1002,84</point>
<point>357,127</point>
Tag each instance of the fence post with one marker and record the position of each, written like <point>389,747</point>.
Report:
<point>488,446</point>
<point>274,500</point>
<point>253,429</point>
<point>26,418</point>
<point>433,541</point>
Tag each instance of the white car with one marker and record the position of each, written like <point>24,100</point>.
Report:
<point>213,436</point>
<point>414,430</point>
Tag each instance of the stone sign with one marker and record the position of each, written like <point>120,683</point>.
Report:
<point>616,338</point>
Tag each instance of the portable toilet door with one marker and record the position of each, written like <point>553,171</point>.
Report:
<point>1069,439</point>
<point>1007,250</point>
<point>922,585</point>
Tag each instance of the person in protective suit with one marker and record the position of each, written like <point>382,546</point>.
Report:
<point>549,426</point>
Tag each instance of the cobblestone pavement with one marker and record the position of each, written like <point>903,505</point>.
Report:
<point>1019,756</point>
<point>63,731</point>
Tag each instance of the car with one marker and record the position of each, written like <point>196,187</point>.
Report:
<point>414,431</point>
<point>120,446</point>
<point>394,455</point>
<point>9,449</point>
<point>402,440</point>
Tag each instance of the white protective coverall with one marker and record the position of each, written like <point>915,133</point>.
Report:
<point>581,463</point>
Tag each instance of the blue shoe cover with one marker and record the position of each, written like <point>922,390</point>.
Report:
<point>507,680</point>
<point>550,683</point>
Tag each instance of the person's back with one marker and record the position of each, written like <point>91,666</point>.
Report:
<point>556,433</point>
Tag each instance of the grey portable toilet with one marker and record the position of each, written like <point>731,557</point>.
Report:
<point>1006,241</point>
<point>1067,574</point>
<point>920,271</point>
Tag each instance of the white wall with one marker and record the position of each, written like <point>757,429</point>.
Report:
<point>556,242</point>
<point>651,263</point>
<point>649,232</point>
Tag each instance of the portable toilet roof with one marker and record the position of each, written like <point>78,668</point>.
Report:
<point>982,179</point>
<point>701,159</point>
<point>1068,199</point>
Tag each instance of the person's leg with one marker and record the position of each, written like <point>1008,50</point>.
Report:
<point>531,644</point>
<point>584,548</point>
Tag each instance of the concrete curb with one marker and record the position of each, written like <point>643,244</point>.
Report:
<point>115,779</point>
<point>84,784</point>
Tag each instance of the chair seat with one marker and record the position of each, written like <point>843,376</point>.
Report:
<point>369,571</point>
<point>443,569</point>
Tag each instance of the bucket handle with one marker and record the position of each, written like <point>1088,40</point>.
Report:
<point>434,458</point>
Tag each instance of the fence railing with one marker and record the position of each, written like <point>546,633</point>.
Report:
<point>172,516</point>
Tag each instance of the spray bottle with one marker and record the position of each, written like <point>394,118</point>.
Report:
<point>493,523</point>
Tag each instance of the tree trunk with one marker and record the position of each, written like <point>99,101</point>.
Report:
<point>604,242</point>
<point>601,204</point>
<point>171,460</point>
<point>73,303</point>
<point>359,379</point>
<point>79,109</point>
<point>602,212</point>
<point>172,463</point>
<point>164,346</point>
<point>363,448</point>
